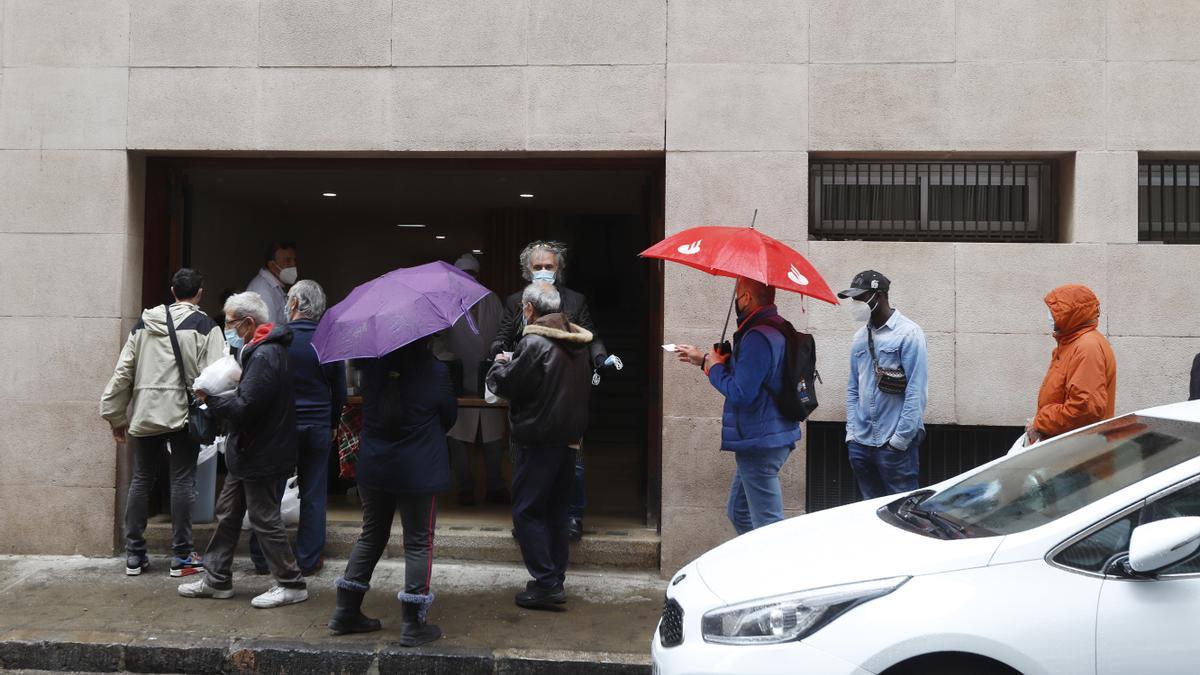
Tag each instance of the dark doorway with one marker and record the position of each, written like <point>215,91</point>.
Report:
<point>216,214</point>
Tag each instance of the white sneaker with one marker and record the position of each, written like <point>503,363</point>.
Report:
<point>279,596</point>
<point>200,589</point>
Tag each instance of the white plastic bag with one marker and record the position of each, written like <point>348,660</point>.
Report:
<point>1021,445</point>
<point>220,377</point>
<point>207,452</point>
<point>289,508</point>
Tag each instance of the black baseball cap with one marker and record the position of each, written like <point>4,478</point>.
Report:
<point>866,282</point>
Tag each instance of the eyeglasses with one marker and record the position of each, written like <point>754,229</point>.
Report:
<point>235,322</point>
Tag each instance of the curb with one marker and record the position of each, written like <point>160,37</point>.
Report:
<point>274,656</point>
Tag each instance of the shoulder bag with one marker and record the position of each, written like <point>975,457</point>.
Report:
<point>890,380</point>
<point>200,423</point>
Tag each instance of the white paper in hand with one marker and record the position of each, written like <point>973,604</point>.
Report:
<point>670,347</point>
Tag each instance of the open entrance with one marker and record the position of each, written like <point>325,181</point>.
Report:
<point>354,219</point>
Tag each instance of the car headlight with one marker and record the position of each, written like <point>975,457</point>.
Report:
<point>784,618</point>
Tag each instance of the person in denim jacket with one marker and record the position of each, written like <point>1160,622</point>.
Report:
<point>883,430</point>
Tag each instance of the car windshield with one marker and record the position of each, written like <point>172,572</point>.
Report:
<point>1048,482</point>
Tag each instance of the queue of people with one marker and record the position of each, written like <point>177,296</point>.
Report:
<point>544,358</point>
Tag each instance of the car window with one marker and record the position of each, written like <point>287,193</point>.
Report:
<point>1094,552</point>
<point>1063,475</point>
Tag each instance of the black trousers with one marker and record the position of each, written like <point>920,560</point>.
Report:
<point>418,516</point>
<point>542,480</point>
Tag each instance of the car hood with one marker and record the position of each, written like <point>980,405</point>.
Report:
<point>842,545</point>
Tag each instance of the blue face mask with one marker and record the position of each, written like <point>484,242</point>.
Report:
<point>544,275</point>
<point>234,340</point>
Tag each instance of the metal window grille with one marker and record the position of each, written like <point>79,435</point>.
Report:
<point>1007,201</point>
<point>948,450</point>
<point>1169,201</point>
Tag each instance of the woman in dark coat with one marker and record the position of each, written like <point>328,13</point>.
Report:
<point>408,406</point>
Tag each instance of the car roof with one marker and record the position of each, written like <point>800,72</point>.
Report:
<point>1187,411</point>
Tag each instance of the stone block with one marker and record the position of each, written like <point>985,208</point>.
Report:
<point>881,31</point>
<point>66,33</point>
<point>63,191</point>
<point>58,358</point>
<point>940,405</point>
<point>56,521</point>
<point>880,107</point>
<point>724,188</point>
<point>1030,30</point>
<point>481,33</point>
<point>63,108</point>
<point>999,287</point>
<point>131,278</point>
<point>1153,106</point>
<point>696,473</point>
<point>997,377</point>
<point>73,445</point>
<point>459,109</point>
<point>737,107</point>
<point>737,31</point>
<point>686,390</point>
<point>922,276</point>
<point>569,32</point>
<point>1148,292</point>
<point>320,33</point>
<point>190,33</point>
<point>324,109</point>
<point>1153,30</point>
<point>1152,370</point>
<point>29,290</point>
<point>596,108</point>
<point>193,108</point>
<point>1105,198</point>
<point>688,531</point>
<point>1005,106</point>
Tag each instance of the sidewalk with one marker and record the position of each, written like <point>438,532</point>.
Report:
<point>84,614</point>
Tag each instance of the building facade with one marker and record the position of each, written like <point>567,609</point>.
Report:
<point>742,100</point>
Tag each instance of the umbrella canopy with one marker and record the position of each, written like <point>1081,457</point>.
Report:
<point>743,252</point>
<point>395,309</point>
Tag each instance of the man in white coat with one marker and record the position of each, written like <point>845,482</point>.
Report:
<point>274,278</point>
<point>483,424</point>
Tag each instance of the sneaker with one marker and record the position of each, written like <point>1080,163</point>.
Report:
<point>575,529</point>
<point>186,566</point>
<point>279,596</point>
<point>201,589</point>
<point>135,563</point>
<point>539,597</point>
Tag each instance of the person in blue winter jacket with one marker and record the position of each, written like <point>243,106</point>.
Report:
<point>752,426</point>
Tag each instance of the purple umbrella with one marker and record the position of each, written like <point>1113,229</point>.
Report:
<point>395,309</point>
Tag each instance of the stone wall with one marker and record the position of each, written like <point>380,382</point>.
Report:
<point>735,93</point>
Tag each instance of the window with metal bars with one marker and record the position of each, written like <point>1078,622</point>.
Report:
<point>948,450</point>
<point>1004,201</point>
<point>1169,201</point>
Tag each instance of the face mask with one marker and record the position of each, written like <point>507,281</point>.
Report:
<point>1050,316</point>
<point>544,275</point>
<point>860,311</point>
<point>288,275</point>
<point>234,339</point>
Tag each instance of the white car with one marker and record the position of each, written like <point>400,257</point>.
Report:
<point>1078,555</point>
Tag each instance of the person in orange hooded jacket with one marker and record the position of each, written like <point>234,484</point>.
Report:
<point>1081,386</point>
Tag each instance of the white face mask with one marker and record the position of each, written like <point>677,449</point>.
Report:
<point>288,275</point>
<point>1050,316</point>
<point>546,276</point>
<point>860,311</point>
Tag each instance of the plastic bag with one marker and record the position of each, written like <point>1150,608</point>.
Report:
<point>207,452</point>
<point>1021,445</point>
<point>220,377</point>
<point>289,508</point>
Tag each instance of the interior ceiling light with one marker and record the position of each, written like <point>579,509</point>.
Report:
<point>526,195</point>
<point>328,194</point>
<point>410,225</point>
<point>477,251</point>
<point>439,236</point>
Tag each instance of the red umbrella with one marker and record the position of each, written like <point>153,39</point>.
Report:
<point>743,252</point>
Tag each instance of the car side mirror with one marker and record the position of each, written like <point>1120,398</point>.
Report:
<point>1156,546</point>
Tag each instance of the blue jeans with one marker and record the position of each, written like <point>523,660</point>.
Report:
<point>881,471</point>
<point>312,467</point>
<point>756,495</point>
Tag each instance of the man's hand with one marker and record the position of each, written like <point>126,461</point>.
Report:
<point>1032,435</point>
<point>503,357</point>
<point>715,357</point>
<point>119,433</point>
<point>202,395</point>
<point>689,354</point>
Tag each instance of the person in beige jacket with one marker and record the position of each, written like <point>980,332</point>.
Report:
<point>146,404</point>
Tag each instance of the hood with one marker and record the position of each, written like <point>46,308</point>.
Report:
<point>837,546</point>
<point>556,327</point>
<point>269,332</point>
<point>1074,308</point>
<point>155,320</point>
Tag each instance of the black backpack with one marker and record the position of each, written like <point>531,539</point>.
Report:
<point>798,397</point>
